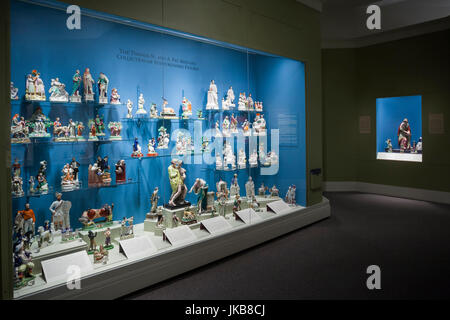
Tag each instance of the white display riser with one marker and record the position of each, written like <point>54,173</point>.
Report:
<point>121,276</point>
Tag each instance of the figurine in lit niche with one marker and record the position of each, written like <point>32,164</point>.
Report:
<point>153,111</point>
<point>388,145</point>
<point>177,177</point>
<point>87,218</point>
<point>218,132</point>
<point>249,189</point>
<point>60,210</point>
<point>39,123</point>
<point>186,106</point>
<point>92,244</point>
<point>14,92</point>
<point>274,192</point>
<point>151,148</point>
<point>233,124</point>
<point>163,138</point>
<point>115,97</point>
<point>126,228</point>
<point>88,83</point>
<point>23,265</point>
<point>137,151</point>
<point>242,159</point>
<point>167,112</point>
<point>226,127</point>
<point>404,136</point>
<point>249,104</point>
<point>242,102</point>
<point>130,109</point>
<point>141,102</point>
<point>101,255</point>
<point>236,205</point>
<point>154,200</point>
<point>76,83</point>
<point>228,102</point>
<point>19,130</point>
<point>262,190</point>
<point>291,195</point>
<point>259,125</point>
<point>259,106</point>
<point>115,127</point>
<point>121,171</point>
<point>58,91</point>
<point>419,146</point>
<point>68,182</point>
<point>75,166</point>
<point>80,129</point>
<point>16,180</point>
<point>35,90</point>
<point>229,159</point>
<point>234,187</point>
<point>200,188</point>
<point>102,83</point>
<point>212,100</point>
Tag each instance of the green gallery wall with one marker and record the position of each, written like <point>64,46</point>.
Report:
<point>352,80</point>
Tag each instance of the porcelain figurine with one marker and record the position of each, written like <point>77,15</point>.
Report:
<point>141,102</point>
<point>242,102</point>
<point>404,136</point>
<point>130,109</point>
<point>200,115</point>
<point>16,179</point>
<point>153,111</point>
<point>249,103</point>
<point>290,195</point>
<point>14,92</point>
<point>92,244</point>
<point>254,204</point>
<point>218,132</point>
<point>41,178</point>
<point>221,201</point>
<point>121,171</point>
<point>80,129</point>
<point>58,91</point>
<point>212,99</point>
<point>249,189</point>
<point>259,106</point>
<point>228,102</point>
<point>60,210</point>
<point>242,159</point>
<point>388,145</point>
<point>31,183</point>
<point>259,125</point>
<point>75,166</point>
<point>233,125</point>
<point>151,148</point>
<point>188,218</point>
<point>236,205</point>
<point>253,159</point>
<point>419,146</point>
<point>229,159</point>
<point>167,112</point>
<point>177,177</point>
<point>108,243</point>
<point>98,173</point>
<point>76,83</point>
<point>272,158</point>
<point>262,190</point>
<point>89,216</point>
<point>274,192</point>
<point>186,106</point>
<point>205,144</point>
<point>126,228</point>
<point>246,128</point>
<point>99,125</point>
<point>226,127</point>
<point>39,124</point>
<point>92,130</point>
<point>115,127</point>
<point>23,265</point>
<point>19,130</point>
<point>219,162</point>
<point>101,255</point>
<point>262,154</point>
<point>45,235</point>
<point>88,83</point>
<point>154,200</point>
<point>137,151</point>
<point>68,182</point>
<point>163,138</point>
<point>234,187</point>
<point>35,90</point>
<point>115,97</point>
<point>72,130</point>
<point>60,132</point>
<point>102,84</point>
<point>200,188</point>
<point>24,223</point>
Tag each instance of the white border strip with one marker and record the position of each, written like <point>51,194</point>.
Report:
<point>387,190</point>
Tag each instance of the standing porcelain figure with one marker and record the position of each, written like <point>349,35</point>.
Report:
<point>253,159</point>
<point>151,148</point>
<point>76,83</point>
<point>102,83</point>
<point>153,111</point>
<point>262,190</point>
<point>246,128</point>
<point>249,189</point>
<point>404,136</point>
<point>229,159</point>
<point>75,165</point>
<point>163,138</point>
<point>60,210</point>
<point>259,106</point>
<point>154,200</point>
<point>137,152</point>
<point>107,234</point>
<point>14,92</point>
<point>19,130</point>
<point>222,196</point>
<point>242,102</point>
<point>233,125</point>
<point>80,129</point>
<point>226,127</point>
<point>212,100</point>
<point>35,90</point>
<point>130,109</point>
<point>219,162</point>
<point>141,102</point>
<point>39,123</point>
<point>72,129</point>
<point>250,104</point>
<point>234,187</point>
<point>58,91</point>
<point>218,132</point>
<point>115,128</point>
<point>200,188</point>
<point>228,102</point>
<point>274,192</point>
<point>16,179</point>
<point>388,146</point>
<point>68,182</point>
<point>242,160</point>
<point>186,106</point>
<point>88,83</point>
<point>259,125</point>
<point>115,97</point>
<point>419,146</point>
<point>290,195</point>
<point>177,177</point>
<point>121,171</point>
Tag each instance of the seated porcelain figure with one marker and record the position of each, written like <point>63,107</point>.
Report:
<point>229,101</point>
<point>253,159</point>
<point>272,158</point>
<point>115,97</point>
<point>212,100</point>
<point>246,128</point>
<point>259,125</point>
<point>141,102</point>
<point>242,103</point>
<point>58,91</point>
<point>163,138</point>
<point>153,111</point>
<point>115,128</point>
<point>229,159</point>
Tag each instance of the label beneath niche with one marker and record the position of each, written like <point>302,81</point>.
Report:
<point>137,247</point>
<point>179,235</point>
<point>63,268</point>
<point>216,225</point>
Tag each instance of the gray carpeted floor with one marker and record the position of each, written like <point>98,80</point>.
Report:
<point>408,239</point>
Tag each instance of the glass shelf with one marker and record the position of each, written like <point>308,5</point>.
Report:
<point>51,141</point>
<point>161,156</point>
<point>65,104</point>
<point>231,110</point>
<point>147,119</point>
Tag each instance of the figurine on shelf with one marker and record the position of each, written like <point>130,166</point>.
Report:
<point>88,216</point>
<point>153,111</point>
<point>39,123</point>
<point>35,90</point>
<point>102,83</point>
<point>58,91</point>
<point>226,127</point>
<point>137,153</point>
<point>92,130</point>
<point>76,83</point>
<point>72,130</point>
<point>31,182</point>
<point>218,132</point>
<point>262,155</point>
<point>60,132</point>
<point>250,104</point>
<point>222,196</point>
<point>236,205</point>
<point>154,200</point>
<point>388,145</point>
<point>253,159</point>
<point>229,159</point>
<point>99,172</point>
<point>68,183</point>
<point>274,192</point>
<point>205,144</point>
<point>404,136</point>
<point>259,106</point>
<point>108,243</point>
<point>419,146</point>
<point>45,235</point>
<point>242,159</point>
<point>246,128</point>
<point>60,210</point>
<point>233,125</point>
<point>92,244</point>
<point>188,217</point>
<point>219,162</point>
<point>23,265</point>
<point>259,125</point>
<point>141,102</point>
<point>130,109</point>
<point>177,177</point>
<point>126,231</point>
<point>254,204</point>
<point>249,189</point>
<point>290,195</point>
<point>41,177</point>
<point>121,171</point>
<point>167,112</point>
<point>200,188</point>
<point>212,100</point>
<point>80,128</point>
<point>88,83</point>
<point>200,115</point>
<point>115,128</point>
<point>242,103</point>
<point>19,130</point>
<point>75,166</point>
<point>101,255</point>
<point>180,145</point>
<point>151,148</point>
<point>163,138</point>
<point>262,190</point>
<point>228,102</point>
<point>99,125</point>
<point>16,180</point>
<point>14,92</point>
<point>234,187</point>
<point>115,97</point>
<point>186,106</point>
<point>27,220</point>
<point>272,158</point>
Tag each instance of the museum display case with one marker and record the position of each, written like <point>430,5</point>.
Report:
<point>399,128</point>
<point>130,141</point>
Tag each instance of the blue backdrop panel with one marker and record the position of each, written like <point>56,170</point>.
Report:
<point>391,112</point>
<point>158,65</point>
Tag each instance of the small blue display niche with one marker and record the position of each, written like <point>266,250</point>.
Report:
<point>399,128</point>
